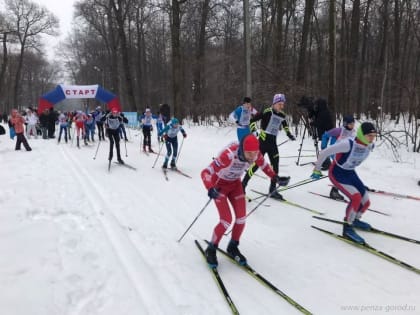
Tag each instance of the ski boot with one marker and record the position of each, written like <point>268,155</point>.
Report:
<point>151,150</point>
<point>274,193</point>
<point>165,165</point>
<point>361,225</point>
<point>120,161</point>
<point>233,250</point>
<point>211,257</point>
<point>173,165</point>
<point>144,149</point>
<point>334,194</point>
<point>350,234</point>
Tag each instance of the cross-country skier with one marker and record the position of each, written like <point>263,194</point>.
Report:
<point>79,120</point>
<point>222,179</point>
<point>330,137</point>
<point>349,154</point>
<point>146,125</point>
<point>112,124</point>
<point>242,116</point>
<point>272,119</point>
<point>170,135</point>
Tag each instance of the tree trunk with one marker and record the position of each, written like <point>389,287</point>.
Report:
<point>247,44</point>
<point>4,63</point>
<point>332,58</point>
<point>360,100</point>
<point>301,73</point>
<point>199,62</point>
<point>176,58</point>
<point>124,49</point>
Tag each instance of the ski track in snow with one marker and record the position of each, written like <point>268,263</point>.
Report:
<point>134,264</point>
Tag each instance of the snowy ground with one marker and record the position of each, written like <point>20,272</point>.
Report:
<point>77,240</point>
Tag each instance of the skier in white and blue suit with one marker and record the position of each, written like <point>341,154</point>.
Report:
<point>242,116</point>
<point>170,136</point>
<point>350,153</point>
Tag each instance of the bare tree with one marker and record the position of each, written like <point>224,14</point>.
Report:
<point>29,21</point>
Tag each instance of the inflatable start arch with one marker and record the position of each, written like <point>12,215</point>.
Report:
<point>62,92</point>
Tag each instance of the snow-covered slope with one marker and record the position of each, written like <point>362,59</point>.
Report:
<point>75,239</point>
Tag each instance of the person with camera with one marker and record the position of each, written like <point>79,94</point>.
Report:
<point>318,120</point>
<point>272,119</point>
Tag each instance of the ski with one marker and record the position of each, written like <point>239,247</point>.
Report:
<point>251,271</point>
<point>371,250</point>
<point>373,230</point>
<point>346,201</point>
<point>290,203</point>
<point>299,183</point>
<point>219,282</point>
<point>386,193</point>
<point>127,166</point>
<point>249,199</point>
<point>180,172</point>
<point>165,173</point>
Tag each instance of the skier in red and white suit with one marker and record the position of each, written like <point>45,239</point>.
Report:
<point>222,179</point>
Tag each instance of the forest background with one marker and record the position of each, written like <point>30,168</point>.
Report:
<point>203,56</point>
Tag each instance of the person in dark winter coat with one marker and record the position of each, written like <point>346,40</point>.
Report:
<point>112,122</point>
<point>52,118</point>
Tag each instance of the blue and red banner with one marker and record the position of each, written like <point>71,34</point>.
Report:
<point>62,92</point>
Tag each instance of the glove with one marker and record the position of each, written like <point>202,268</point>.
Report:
<point>281,180</point>
<point>316,174</point>
<point>184,135</point>
<point>165,137</point>
<point>213,193</point>
<point>151,128</point>
<point>291,137</point>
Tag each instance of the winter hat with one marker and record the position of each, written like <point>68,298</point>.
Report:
<point>174,121</point>
<point>348,119</point>
<point>279,98</point>
<point>247,99</point>
<point>147,110</point>
<point>251,143</point>
<point>364,129</point>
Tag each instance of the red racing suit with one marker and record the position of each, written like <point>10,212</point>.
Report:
<point>224,174</point>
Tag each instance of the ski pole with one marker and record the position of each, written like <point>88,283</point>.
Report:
<point>129,133</point>
<point>180,148</point>
<point>72,138</point>
<point>283,142</point>
<point>157,157</point>
<point>301,144</point>
<point>97,148</point>
<point>201,211</point>
<point>257,206</point>
<point>300,183</point>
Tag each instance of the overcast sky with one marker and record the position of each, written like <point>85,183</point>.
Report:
<point>63,10</point>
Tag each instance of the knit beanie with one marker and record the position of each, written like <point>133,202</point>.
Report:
<point>364,129</point>
<point>279,98</point>
<point>247,99</point>
<point>251,143</point>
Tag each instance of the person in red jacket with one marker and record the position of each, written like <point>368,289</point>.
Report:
<point>17,122</point>
<point>222,179</point>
